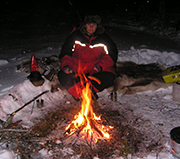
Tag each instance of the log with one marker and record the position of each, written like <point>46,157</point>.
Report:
<point>13,130</point>
<point>78,130</point>
<point>93,125</point>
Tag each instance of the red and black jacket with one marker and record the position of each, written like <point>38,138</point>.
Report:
<point>82,50</point>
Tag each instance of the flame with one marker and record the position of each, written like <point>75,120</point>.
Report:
<point>86,122</point>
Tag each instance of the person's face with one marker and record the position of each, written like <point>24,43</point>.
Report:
<point>91,28</point>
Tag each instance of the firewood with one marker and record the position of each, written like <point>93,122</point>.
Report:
<point>93,125</point>
<point>12,130</point>
<point>78,130</point>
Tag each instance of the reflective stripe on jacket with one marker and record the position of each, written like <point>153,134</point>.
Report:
<point>84,52</point>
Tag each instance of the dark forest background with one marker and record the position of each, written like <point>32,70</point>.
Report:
<point>76,9</point>
<point>33,14</point>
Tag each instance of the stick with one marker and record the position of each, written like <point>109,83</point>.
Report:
<point>40,139</point>
<point>95,128</point>
<point>12,130</point>
<point>12,114</point>
<point>75,10</point>
<point>77,131</point>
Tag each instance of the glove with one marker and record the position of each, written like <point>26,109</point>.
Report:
<point>97,69</point>
<point>67,70</point>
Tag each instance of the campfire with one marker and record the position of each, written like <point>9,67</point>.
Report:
<point>86,123</point>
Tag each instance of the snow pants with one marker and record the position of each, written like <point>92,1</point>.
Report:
<point>72,83</point>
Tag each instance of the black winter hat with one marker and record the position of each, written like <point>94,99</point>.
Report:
<point>92,19</point>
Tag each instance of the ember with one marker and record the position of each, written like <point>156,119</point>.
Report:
<point>86,124</point>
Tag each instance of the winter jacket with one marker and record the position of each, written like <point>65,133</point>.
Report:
<point>88,52</point>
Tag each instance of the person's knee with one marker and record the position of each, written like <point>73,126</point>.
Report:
<point>106,80</point>
<point>66,80</point>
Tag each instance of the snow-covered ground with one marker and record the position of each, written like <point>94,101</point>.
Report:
<point>160,113</point>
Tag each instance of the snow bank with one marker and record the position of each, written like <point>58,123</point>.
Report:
<point>6,154</point>
<point>146,56</point>
<point>25,92</point>
<point>3,62</point>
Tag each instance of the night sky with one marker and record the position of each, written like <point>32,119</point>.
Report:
<point>83,6</point>
<point>72,11</point>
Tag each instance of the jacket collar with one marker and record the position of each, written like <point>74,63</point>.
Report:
<point>90,38</point>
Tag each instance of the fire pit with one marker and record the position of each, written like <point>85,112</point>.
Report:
<point>123,139</point>
<point>91,130</point>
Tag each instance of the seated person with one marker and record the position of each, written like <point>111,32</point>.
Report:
<point>90,49</point>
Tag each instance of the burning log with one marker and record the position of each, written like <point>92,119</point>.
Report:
<point>78,129</point>
<point>93,125</point>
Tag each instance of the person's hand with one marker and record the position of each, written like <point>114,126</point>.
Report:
<point>68,70</point>
<point>96,68</point>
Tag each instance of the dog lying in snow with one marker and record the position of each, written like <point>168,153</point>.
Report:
<point>131,77</point>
